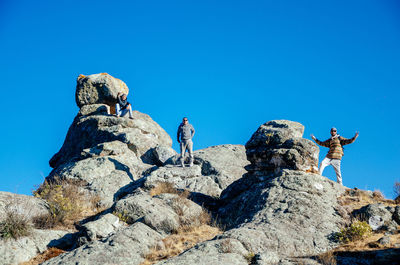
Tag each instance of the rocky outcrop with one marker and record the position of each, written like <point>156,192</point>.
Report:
<point>98,229</point>
<point>98,88</point>
<point>127,246</point>
<point>140,135</point>
<point>215,168</point>
<point>223,251</point>
<point>24,205</point>
<point>13,252</point>
<point>278,206</point>
<point>279,145</point>
<point>165,213</point>
<point>103,152</point>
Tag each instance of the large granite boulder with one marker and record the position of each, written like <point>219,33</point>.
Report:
<point>15,251</point>
<point>103,170</point>
<point>98,88</point>
<point>127,246</point>
<point>218,166</point>
<point>165,213</point>
<point>292,213</point>
<point>140,135</point>
<point>98,229</point>
<point>278,206</point>
<point>279,144</point>
<point>26,206</point>
<point>222,251</point>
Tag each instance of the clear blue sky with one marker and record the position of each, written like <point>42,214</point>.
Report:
<point>228,65</point>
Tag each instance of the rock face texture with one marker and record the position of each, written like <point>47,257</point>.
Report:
<point>278,206</point>
<point>102,151</point>
<point>273,206</point>
<point>26,206</point>
<point>98,88</point>
<point>13,252</point>
<point>128,246</point>
<point>279,144</point>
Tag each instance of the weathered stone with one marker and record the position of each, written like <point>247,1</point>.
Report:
<point>140,134</point>
<point>104,176</point>
<point>188,178</point>
<point>151,210</point>
<point>385,240</point>
<point>24,205</point>
<point>266,258</point>
<point>396,215</point>
<point>224,251</point>
<point>13,252</point>
<point>277,145</point>
<point>127,246</point>
<point>376,210</point>
<point>98,89</point>
<point>162,154</point>
<point>94,109</point>
<point>292,213</point>
<point>99,229</point>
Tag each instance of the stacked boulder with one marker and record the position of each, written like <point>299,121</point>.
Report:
<point>103,151</point>
<point>280,206</point>
<point>279,144</point>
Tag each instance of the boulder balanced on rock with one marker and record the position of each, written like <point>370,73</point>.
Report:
<point>279,145</point>
<point>98,89</point>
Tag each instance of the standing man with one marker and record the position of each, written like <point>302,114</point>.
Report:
<point>185,135</point>
<point>123,106</point>
<point>335,153</point>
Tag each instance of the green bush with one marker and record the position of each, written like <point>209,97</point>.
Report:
<point>14,226</point>
<point>356,231</point>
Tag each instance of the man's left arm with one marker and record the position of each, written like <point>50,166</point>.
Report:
<point>344,141</point>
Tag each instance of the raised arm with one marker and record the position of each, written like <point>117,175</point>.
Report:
<point>344,141</point>
<point>324,143</point>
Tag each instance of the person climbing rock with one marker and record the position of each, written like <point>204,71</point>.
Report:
<point>123,106</point>
<point>185,135</point>
<point>335,153</point>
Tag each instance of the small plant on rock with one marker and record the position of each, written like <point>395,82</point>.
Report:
<point>123,216</point>
<point>356,231</point>
<point>396,189</point>
<point>14,225</point>
<point>67,203</point>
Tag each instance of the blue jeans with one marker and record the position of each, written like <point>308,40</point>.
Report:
<point>123,112</point>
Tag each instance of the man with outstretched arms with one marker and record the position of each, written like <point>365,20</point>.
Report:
<point>185,135</point>
<point>335,153</point>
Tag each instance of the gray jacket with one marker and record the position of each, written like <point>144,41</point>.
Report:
<point>185,132</point>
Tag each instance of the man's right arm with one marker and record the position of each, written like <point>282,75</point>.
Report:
<point>324,143</point>
<point>178,134</point>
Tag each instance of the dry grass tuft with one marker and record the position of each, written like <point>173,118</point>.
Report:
<point>46,255</point>
<point>14,225</point>
<point>67,203</point>
<point>327,258</point>
<point>175,244</point>
<point>167,187</point>
<point>396,190</point>
<point>354,199</point>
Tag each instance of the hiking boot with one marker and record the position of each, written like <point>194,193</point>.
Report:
<point>131,118</point>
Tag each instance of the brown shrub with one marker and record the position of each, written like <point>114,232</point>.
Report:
<point>167,187</point>
<point>175,244</point>
<point>67,203</point>
<point>327,258</point>
<point>396,190</point>
<point>46,255</point>
<point>14,225</point>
